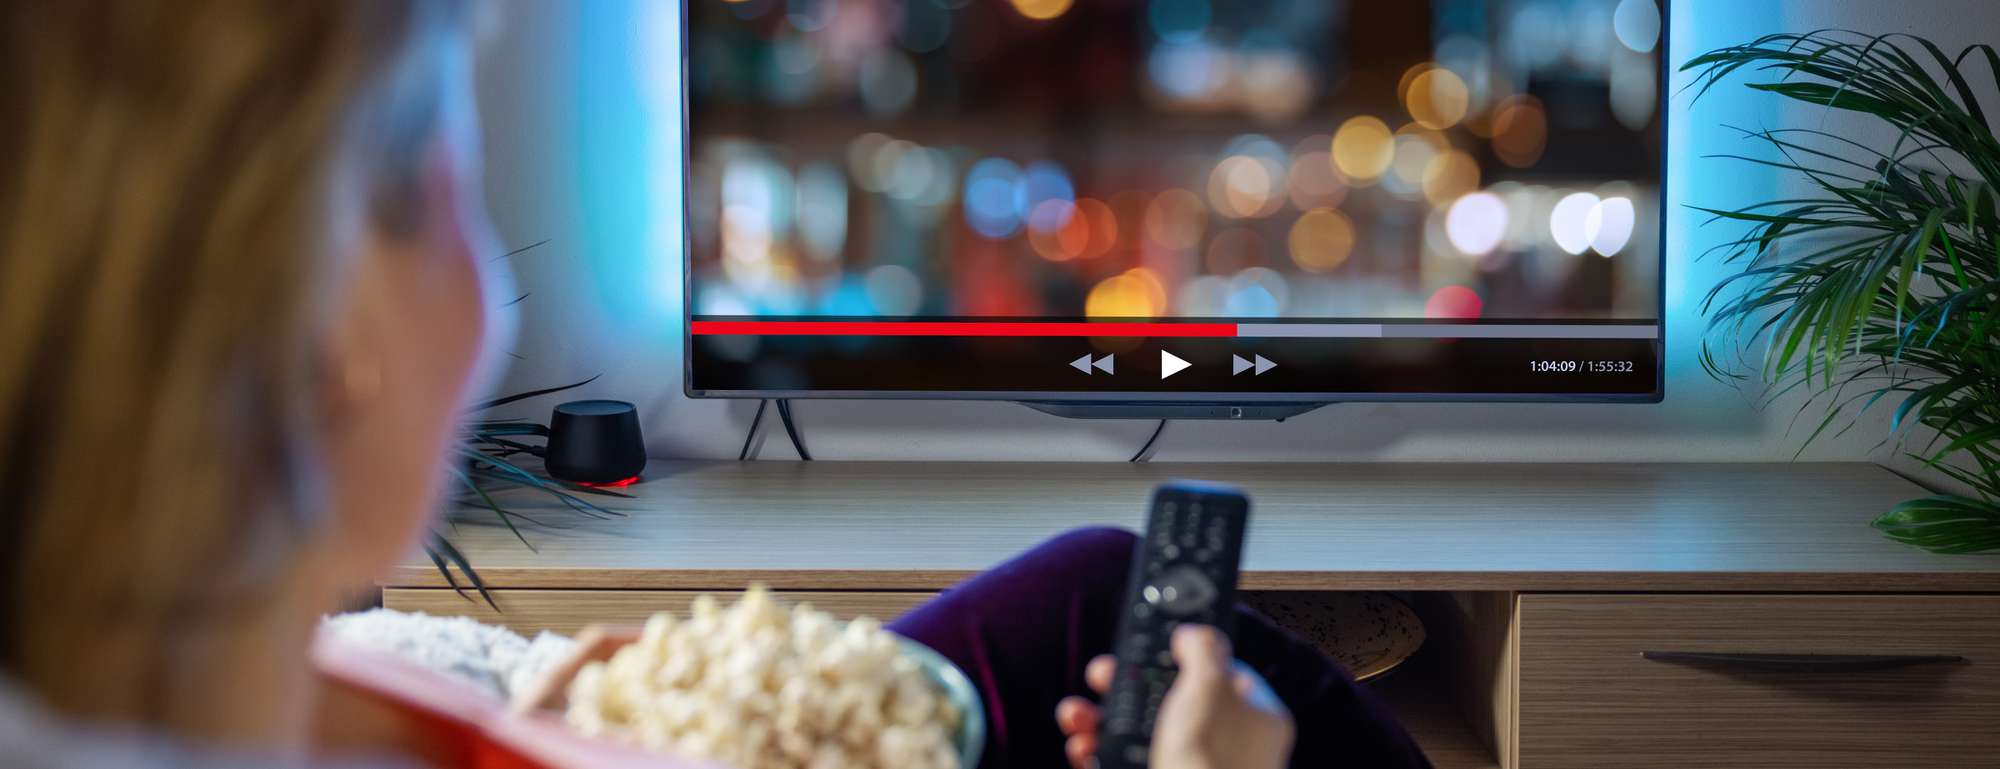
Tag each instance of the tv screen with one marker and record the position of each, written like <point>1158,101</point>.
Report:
<point>1174,200</point>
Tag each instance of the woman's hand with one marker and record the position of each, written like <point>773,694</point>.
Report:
<point>551,691</point>
<point>1219,713</point>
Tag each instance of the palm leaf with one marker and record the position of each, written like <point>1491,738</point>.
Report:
<point>440,551</point>
<point>502,401</point>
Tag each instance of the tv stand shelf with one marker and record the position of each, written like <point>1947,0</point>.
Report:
<point>1541,583</point>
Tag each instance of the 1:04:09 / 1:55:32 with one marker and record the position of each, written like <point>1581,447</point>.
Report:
<point>1587,366</point>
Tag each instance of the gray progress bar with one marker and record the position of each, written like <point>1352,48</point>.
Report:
<point>1445,331</point>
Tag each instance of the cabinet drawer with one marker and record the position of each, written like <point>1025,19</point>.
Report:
<point>567,611</point>
<point>1608,682</point>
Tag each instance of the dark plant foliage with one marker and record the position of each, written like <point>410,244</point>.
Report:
<point>1879,285</point>
<point>485,463</point>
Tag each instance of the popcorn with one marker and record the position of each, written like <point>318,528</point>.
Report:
<point>760,686</point>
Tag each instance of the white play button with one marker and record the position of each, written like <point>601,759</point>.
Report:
<point>1264,364</point>
<point>1170,364</point>
<point>1238,365</point>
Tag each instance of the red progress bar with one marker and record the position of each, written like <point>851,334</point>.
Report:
<point>953,328</point>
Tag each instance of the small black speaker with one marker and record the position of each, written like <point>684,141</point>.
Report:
<point>596,443</point>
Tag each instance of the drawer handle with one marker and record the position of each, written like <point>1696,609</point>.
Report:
<point>1802,663</point>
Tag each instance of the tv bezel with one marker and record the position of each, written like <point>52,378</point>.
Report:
<point>1197,404</point>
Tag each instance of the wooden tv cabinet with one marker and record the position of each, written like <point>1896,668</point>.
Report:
<point>1580,615</point>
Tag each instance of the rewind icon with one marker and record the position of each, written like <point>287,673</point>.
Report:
<point>1106,364</point>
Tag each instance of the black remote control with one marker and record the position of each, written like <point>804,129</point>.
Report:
<point>1184,571</point>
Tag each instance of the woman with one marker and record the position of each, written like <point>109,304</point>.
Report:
<point>241,300</point>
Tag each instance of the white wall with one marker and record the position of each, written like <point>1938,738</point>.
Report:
<point>582,151</point>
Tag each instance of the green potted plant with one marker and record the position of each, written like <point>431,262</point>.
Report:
<point>1877,287</point>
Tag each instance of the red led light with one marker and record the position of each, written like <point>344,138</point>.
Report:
<point>612,484</point>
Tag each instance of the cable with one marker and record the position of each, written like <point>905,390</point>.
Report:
<point>750,436</point>
<point>792,429</point>
<point>1141,455</point>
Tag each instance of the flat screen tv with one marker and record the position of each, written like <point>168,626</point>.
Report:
<point>1225,207</point>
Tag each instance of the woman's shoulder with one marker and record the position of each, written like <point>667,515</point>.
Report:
<point>33,738</point>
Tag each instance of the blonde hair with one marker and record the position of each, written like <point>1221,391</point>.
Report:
<point>175,176</point>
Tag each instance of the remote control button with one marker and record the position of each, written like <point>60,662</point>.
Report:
<point>1215,534</point>
<point>1181,592</point>
<point>1135,754</point>
<point>1170,552</point>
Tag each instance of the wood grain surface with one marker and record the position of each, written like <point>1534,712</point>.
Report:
<point>1587,700</point>
<point>1472,638</point>
<point>924,526</point>
<point>1419,694</point>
